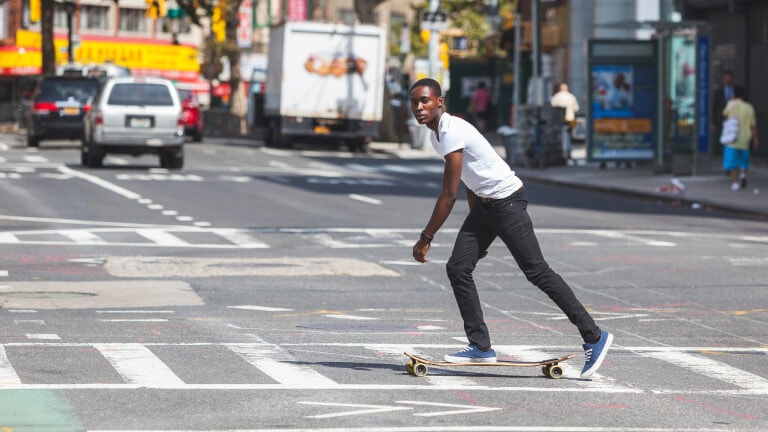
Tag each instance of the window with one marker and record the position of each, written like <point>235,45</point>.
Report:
<point>94,17</point>
<point>60,18</point>
<point>140,94</point>
<point>133,20</point>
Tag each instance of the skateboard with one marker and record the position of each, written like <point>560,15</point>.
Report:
<point>419,366</point>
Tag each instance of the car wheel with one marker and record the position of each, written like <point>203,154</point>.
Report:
<point>95,156</point>
<point>33,141</point>
<point>172,159</point>
<point>83,153</point>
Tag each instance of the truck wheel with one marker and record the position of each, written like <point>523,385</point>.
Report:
<point>361,145</point>
<point>275,138</point>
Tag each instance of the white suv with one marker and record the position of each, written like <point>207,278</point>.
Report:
<point>134,116</point>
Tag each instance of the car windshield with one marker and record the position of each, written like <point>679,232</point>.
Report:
<point>67,90</point>
<point>145,94</point>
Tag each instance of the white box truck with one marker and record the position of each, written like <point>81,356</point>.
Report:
<point>324,82</point>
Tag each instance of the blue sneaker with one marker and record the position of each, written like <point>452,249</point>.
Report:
<point>471,354</point>
<point>594,354</point>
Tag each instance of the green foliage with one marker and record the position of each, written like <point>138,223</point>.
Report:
<point>468,16</point>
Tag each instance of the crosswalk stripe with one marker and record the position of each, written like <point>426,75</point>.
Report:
<point>240,238</point>
<point>161,237</point>
<point>82,236</point>
<point>263,357</point>
<point>138,365</point>
<point>8,238</point>
<point>7,373</point>
<point>713,369</point>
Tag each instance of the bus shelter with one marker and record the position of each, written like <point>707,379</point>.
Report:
<point>649,100</point>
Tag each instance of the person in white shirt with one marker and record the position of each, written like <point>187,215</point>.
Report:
<point>498,208</point>
<point>565,99</point>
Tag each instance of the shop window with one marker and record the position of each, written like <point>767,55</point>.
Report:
<point>94,17</point>
<point>60,18</point>
<point>133,20</point>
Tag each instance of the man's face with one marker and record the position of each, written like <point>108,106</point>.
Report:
<point>425,106</point>
<point>727,79</point>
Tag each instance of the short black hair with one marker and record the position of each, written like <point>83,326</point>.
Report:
<point>739,92</point>
<point>429,82</point>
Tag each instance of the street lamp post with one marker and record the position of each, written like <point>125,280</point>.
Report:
<point>70,8</point>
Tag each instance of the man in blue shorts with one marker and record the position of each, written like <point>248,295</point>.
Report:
<point>498,208</point>
<point>736,153</point>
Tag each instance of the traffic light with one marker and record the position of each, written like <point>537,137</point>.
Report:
<point>156,8</point>
<point>444,57</point>
<point>218,24</point>
<point>34,10</point>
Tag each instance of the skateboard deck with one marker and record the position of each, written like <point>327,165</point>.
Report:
<point>419,366</point>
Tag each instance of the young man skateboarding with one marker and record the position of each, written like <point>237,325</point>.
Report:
<point>498,202</point>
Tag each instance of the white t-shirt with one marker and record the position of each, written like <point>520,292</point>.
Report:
<point>483,171</point>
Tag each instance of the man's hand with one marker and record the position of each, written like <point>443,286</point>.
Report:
<point>420,250</point>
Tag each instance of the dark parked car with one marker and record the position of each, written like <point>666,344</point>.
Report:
<point>57,108</point>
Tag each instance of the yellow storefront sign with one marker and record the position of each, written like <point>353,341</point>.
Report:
<point>132,55</point>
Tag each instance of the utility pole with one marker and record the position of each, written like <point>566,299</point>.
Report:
<point>434,41</point>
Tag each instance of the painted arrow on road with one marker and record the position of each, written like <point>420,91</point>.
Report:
<point>372,409</point>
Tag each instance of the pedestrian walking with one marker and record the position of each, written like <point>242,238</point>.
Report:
<point>498,208</point>
<point>722,95</point>
<point>740,115</point>
<point>565,99</point>
<point>479,106</point>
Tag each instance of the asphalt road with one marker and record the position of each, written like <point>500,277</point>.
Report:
<point>261,289</point>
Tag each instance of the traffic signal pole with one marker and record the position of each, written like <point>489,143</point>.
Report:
<point>434,41</point>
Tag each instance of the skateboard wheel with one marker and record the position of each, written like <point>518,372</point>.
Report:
<point>555,372</point>
<point>409,367</point>
<point>420,369</point>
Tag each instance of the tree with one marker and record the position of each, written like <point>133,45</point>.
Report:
<point>48,49</point>
<point>197,10</point>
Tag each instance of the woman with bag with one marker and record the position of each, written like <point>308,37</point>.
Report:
<point>736,151</point>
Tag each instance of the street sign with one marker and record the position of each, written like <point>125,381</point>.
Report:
<point>434,20</point>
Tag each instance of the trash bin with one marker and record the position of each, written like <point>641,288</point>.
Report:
<point>509,140</point>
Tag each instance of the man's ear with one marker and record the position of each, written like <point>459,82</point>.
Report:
<point>440,101</point>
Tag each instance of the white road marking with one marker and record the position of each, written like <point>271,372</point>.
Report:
<point>364,199</point>
<point>43,336</point>
<point>3,273</point>
<point>161,237</point>
<point>350,317</point>
<point>134,320</point>
<point>240,238</point>
<point>82,236</point>
<point>35,321</point>
<point>367,409</point>
<point>35,159</point>
<point>260,308</point>
<point>7,373</point>
<point>8,238</point>
<point>135,311</point>
<point>284,372</point>
<point>713,369</point>
<point>137,365</point>
<point>464,409</point>
<point>445,428</point>
<point>100,182</point>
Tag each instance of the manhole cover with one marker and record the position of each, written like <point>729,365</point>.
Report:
<point>45,294</point>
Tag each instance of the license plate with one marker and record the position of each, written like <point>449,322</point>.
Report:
<point>141,122</point>
<point>71,111</point>
<point>322,130</point>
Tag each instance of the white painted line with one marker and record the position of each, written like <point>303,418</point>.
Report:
<point>22,311</point>
<point>367,409</point>
<point>134,320</point>
<point>42,336</point>
<point>135,311</point>
<point>713,369</point>
<point>3,273</point>
<point>137,365</point>
<point>260,308</point>
<point>101,183</point>
<point>35,159</point>
<point>202,224</point>
<point>8,238</point>
<point>350,317</point>
<point>184,218</point>
<point>240,238</point>
<point>170,212</point>
<point>155,206</point>
<point>7,373</point>
<point>446,428</point>
<point>284,372</point>
<point>464,409</point>
<point>35,321</point>
<point>364,199</point>
<point>161,237</point>
<point>82,236</point>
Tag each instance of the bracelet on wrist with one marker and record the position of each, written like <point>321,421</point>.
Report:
<point>428,238</point>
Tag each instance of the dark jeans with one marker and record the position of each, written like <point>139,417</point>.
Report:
<point>508,219</point>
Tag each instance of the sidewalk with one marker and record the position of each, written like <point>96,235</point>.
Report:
<point>711,191</point>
